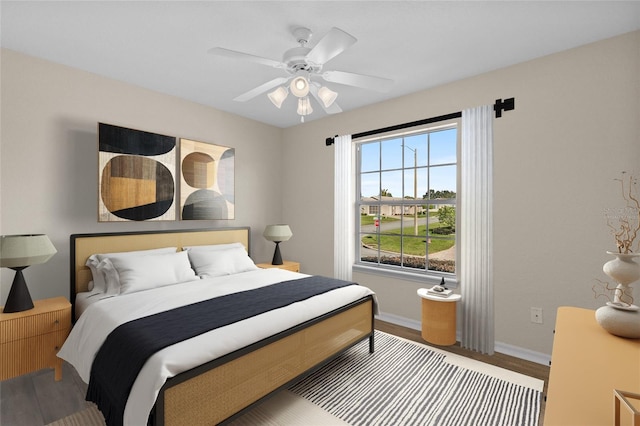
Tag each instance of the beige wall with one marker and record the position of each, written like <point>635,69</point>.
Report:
<point>575,127</point>
<point>49,158</point>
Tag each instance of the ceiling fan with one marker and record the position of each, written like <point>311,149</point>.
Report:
<point>304,68</point>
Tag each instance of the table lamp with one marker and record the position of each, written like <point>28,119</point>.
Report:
<point>18,252</point>
<point>277,234</point>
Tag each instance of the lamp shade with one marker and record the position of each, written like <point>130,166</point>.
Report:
<point>304,106</point>
<point>327,96</point>
<point>278,96</point>
<point>25,250</point>
<point>277,233</point>
<point>299,86</point>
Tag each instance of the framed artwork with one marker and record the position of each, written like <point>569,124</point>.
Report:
<point>206,181</point>
<point>136,175</point>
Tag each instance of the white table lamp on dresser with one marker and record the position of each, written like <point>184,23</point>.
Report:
<point>277,234</point>
<point>18,252</point>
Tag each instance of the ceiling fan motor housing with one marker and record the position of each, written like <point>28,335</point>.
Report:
<point>296,60</point>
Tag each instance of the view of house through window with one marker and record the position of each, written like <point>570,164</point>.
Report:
<point>406,199</point>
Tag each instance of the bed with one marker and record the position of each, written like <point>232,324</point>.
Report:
<point>240,364</point>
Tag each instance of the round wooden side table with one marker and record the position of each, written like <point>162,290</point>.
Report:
<point>438,318</point>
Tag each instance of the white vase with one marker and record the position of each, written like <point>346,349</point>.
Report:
<point>621,317</point>
<point>624,270</point>
<point>618,322</point>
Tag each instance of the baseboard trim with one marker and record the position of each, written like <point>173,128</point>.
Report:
<point>398,320</point>
<point>523,353</point>
<point>503,348</point>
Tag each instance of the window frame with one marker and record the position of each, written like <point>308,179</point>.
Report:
<point>399,271</point>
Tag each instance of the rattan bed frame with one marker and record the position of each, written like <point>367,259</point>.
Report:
<point>221,390</point>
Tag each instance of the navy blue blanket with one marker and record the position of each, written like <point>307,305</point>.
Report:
<point>128,347</point>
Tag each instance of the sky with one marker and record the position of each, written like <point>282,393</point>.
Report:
<point>436,148</point>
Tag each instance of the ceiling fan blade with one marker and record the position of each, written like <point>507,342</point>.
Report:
<point>331,45</point>
<point>220,51</point>
<point>378,84</point>
<point>261,89</point>
<point>332,109</point>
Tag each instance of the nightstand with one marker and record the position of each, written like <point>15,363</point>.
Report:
<point>286,264</point>
<point>438,318</point>
<point>30,340</point>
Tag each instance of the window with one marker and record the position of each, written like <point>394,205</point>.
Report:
<point>406,195</point>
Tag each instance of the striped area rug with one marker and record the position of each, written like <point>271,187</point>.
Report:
<point>406,383</point>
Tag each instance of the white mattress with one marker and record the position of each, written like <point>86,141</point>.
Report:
<point>86,299</point>
<point>103,315</point>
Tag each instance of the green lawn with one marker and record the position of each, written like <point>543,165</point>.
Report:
<point>412,246</point>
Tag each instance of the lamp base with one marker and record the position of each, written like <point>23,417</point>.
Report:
<point>277,257</point>
<point>19,298</point>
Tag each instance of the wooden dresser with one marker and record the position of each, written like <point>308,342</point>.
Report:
<point>30,340</point>
<point>587,364</point>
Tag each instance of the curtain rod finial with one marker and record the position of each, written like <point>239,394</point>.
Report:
<point>330,141</point>
<point>506,105</point>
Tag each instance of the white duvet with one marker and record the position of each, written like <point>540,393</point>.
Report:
<point>100,318</point>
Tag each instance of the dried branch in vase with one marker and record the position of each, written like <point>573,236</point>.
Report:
<point>610,291</point>
<point>625,222</point>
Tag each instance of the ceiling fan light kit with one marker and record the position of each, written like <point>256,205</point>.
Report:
<point>308,61</point>
<point>304,108</point>
<point>327,96</point>
<point>300,87</point>
<point>278,96</point>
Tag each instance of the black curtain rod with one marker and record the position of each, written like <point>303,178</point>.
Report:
<point>498,107</point>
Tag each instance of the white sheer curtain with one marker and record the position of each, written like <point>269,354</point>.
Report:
<point>476,238</point>
<point>344,204</point>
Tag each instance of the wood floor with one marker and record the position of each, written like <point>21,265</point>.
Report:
<point>36,399</point>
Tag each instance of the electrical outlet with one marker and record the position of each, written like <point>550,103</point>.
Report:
<point>536,315</point>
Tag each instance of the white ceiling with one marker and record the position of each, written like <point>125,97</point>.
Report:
<point>419,44</point>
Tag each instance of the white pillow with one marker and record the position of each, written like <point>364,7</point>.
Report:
<point>140,273</point>
<point>102,281</point>
<point>98,281</point>
<point>215,263</point>
<point>215,247</point>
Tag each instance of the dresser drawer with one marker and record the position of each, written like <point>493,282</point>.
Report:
<point>34,353</point>
<point>25,326</point>
<point>30,340</point>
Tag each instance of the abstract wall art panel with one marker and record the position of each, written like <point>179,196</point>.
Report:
<point>136,175</point>
<point>206,181</point>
